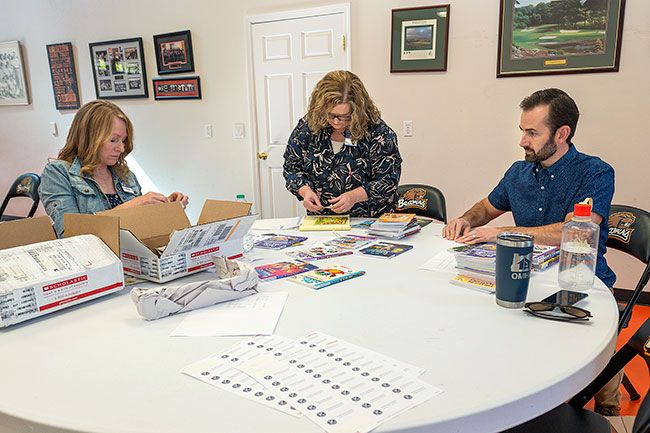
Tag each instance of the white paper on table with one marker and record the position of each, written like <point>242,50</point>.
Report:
<point>277,224</point>
<point>252,315</point>
<point>444,261</point>
<point>337,386</point>
<point>219,371</point>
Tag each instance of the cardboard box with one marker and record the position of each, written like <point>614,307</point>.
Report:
<point>158,243</point>
<point>40,274</point>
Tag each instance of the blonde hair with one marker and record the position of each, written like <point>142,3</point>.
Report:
<point>341,87</point>
<point>91,127</point>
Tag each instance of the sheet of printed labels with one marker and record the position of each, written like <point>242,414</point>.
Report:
<point>337,385</point>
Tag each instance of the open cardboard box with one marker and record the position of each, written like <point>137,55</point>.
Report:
<point>158,242</point>
<point>40,274</point>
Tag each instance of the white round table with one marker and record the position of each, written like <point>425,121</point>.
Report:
<point>99,367</point>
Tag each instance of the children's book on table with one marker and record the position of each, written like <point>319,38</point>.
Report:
<point>318,253</point>
<point>288,268</point>
<point>326,276</point>
<point>386,250</point>
<point>273,241</point>
<point>325,222</point>
<point>350,241</point>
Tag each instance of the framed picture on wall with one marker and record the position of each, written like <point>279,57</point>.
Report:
<point>64,76</point>
<point>174,52</point>
<point>177,88</point>
<point>118,69</point>
<point>13,86</point>
<point>419,39</point>
<point>540,37</point>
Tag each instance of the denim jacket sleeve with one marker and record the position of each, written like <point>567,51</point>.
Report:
<point>56,193</point>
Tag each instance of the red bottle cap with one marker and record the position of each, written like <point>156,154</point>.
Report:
<point>582,209</point>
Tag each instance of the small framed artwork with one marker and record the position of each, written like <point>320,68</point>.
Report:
<point>64,76</point>
<point>419,39</point>
<point>174,52</point>
<point>13,86</point>
<point>177,88</point>
<point>118,69</point>
<point>541,37</point>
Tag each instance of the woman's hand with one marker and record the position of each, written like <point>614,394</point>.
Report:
<point>179,196</point>
<point>345,201</point>
<point>310,199</point>
<point>148,198</point>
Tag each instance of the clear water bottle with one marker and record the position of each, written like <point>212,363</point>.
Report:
<point>579,250</point>
<point>249,238</point>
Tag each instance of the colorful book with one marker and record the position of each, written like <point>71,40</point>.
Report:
<point>473,283</point>
<point>318,253</point>
<point>289,268</point>
<point>323,277</point>
<point>350,241</point>
<point>363,224</point>
<point>408,231</point>
<point>386,250</point>
<point>277,242</point>
<point>325,222</point>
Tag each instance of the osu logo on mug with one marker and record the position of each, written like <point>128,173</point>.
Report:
<point>520,266</point>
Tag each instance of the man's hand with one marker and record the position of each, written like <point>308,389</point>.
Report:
<point>480,234</point>
<point>311,202</point>
<point>455,229</point>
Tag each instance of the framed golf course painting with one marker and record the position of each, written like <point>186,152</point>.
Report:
<point>539,37</point>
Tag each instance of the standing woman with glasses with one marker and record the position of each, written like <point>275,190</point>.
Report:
<point>341,157</point>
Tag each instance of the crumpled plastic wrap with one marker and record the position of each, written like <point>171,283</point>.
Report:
<point>235,280</point>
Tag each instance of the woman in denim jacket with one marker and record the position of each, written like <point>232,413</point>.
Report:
<point>90,174</point>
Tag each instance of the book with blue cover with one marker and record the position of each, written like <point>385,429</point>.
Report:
<point>289,268</point>
<point>323,277</point>
<point>386,250</point>
<point>273,241</point>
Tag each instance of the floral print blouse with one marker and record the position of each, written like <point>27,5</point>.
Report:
<point>373,162</point>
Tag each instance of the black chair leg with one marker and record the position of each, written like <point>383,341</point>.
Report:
<point>629,387</point>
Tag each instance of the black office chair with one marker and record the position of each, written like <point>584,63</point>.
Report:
<point>573,418</point>
<point>423,200</point>
<point>629,231</point>
<point>25,185</point>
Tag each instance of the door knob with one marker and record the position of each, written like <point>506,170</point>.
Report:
<point>262,155</point>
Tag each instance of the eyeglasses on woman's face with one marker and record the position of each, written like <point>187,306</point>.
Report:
<point>339,117</point>
<point>553,311</point>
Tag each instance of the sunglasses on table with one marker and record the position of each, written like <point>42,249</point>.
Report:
<point>553,311</point>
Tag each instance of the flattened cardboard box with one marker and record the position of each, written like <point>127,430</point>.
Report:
<point>40,274</point>
<point>158,243</point>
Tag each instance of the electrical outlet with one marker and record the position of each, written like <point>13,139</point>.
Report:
<point>207,130</point>
<point>238,130</point>
<point>407,128</point>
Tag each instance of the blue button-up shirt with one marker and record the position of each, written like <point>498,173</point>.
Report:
<point>539,196</point>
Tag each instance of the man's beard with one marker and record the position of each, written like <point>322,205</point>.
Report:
<point>543,154</point>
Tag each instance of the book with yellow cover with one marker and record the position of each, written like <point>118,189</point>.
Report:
<point>400,218</point>
<point>474,283</point>
<point>325,222</point>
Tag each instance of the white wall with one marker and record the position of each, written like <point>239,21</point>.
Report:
<point>465,120</point>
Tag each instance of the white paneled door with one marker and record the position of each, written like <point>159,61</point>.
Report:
<point>289,57</point>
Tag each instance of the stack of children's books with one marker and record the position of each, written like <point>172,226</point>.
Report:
<point>325,222</point>
<point>395,225</point>
<point>476,264</point>
<point>545,256</point>
<point>323,277</point>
